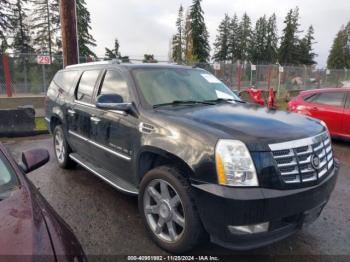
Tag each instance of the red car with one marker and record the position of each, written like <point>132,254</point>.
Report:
<point>332,105</point>
<point>28,224</point>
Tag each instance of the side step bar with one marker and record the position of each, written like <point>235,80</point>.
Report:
<point>111,179</point>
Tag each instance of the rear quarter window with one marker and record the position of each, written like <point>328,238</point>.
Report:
<point>331,98</point>
<point>86,85</point>
<point>65,79</point>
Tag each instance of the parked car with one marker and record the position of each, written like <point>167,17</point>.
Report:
<point>28,224</point>
<point>200,160</point>
<point>331,105</point>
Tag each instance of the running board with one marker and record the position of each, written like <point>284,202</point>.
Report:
<point>106,176</point>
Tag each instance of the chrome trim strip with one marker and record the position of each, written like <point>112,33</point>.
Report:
<point>100,146</point>
<point>297,143</point>
<point>101,176</point>
<point>84,103</point>
<point>48,120</point>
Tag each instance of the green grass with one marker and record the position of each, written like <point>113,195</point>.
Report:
<point>40,123</point>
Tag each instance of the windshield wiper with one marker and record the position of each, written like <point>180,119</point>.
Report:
<point>184,102</point>
<point>219,100</point>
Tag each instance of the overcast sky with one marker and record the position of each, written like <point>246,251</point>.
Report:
<point>145,26</point>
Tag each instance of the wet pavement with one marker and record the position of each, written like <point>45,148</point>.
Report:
<point>107,222</point>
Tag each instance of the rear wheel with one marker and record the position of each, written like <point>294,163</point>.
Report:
<point>61,148</point>
<point>168,211</point>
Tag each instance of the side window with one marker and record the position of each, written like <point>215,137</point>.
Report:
<point>65,79</point>
<point>331,98</point>
<point>115,83</point>
<point>86,85</point>
<point>310,98</point>
<point>348,100</point>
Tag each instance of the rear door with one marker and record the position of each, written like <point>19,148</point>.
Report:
<point>115,133</point>
<point>329,107</point>
<point>346,118</point>
<point>80,113</point>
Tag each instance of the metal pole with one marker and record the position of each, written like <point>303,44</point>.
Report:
<point>279,82</point>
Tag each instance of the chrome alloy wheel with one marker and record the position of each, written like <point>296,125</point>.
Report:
<point>164,211</point>
<point>60,149</point>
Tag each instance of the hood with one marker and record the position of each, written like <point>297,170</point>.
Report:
<point>22,227</point>
<point>254,125</point>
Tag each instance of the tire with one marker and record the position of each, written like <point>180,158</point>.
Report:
<point>62,149</point>
<point>184,213</point>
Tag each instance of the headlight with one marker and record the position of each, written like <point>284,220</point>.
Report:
<point>234,165</point>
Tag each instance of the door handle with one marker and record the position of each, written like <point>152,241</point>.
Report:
<point>71,112</point>
<point>315,108</point>
<point>95,120</point>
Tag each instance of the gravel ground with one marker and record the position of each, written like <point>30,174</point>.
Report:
<point>107,222</point>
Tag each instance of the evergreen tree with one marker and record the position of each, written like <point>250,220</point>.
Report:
<point>85,39</point>
<point>259,41</point>
<point>113,53</point>
<point>200,43</point>
<point>188,52</point>
<point>339,56</point>
<point>178,39</point>
<point>244,38</point>
<point>289,49</point>
<point>306,54</point>
<point>46,26</point>
<point>5,23</point>
<point>222,40</point>
<point>271,48</point>
<point>233,36</point>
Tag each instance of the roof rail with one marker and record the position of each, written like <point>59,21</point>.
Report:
<point>106,62</point>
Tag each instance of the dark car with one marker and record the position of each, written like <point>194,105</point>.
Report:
<point>201,161</point>
<point>331,105</point>
<point>28,224</point>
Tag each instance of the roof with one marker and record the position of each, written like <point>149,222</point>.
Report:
<point>330,89</point>
<point>109,63</point>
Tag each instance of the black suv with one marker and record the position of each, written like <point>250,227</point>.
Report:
<point>202,162</point>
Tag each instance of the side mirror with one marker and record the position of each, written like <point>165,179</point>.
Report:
<point>33,159</point>
<point>112,102</point>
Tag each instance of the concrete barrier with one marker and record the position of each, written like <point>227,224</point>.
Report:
<point>17,122</point>
<point>16,101</point>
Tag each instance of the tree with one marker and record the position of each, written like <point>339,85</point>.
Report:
<point>233,36</point>
<point>178,38</point>
<point>271,49</point>
<point>200,36</point>
<point>306,54</point>
<point>222,40</point>
<point>46,26</point>
<point>85,39</point>
<point>244,38</point>
<point>289,49</point>
<point>113,53</point>
<point>258,41</point>
<point>339,56</point>
<point>188,52</point>
<point>5,23</point>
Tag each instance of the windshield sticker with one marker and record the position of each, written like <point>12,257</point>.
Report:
<point>210,78</point>
<point>223,95</point>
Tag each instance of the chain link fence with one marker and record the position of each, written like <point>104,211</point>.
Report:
<point>26,77</point>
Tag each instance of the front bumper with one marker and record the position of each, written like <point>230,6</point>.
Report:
<point>285,210</point>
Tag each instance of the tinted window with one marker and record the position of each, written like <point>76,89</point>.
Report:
<point>114,83</point>
<point>65,79</point>
<point>330,98</point>
<point>310,98</point>
<point>7,179</point>
<point>86,85</point>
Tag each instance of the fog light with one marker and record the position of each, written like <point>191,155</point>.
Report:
<point>249,229</point>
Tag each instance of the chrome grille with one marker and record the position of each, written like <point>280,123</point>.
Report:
<point>295,158</point>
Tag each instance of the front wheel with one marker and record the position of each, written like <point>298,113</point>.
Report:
<point>61,148</point>
<point>168,210</point>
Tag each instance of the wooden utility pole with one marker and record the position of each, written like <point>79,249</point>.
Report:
<point>69,32</point>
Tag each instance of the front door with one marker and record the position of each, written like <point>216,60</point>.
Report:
<point>115,133</point>
<point>329,107</point>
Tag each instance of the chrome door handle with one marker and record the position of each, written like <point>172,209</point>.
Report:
<point>95,120</point>
<point>71,112</point>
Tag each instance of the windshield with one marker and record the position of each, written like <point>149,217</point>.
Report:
<point>7,178</point>
<point>166,85</point>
